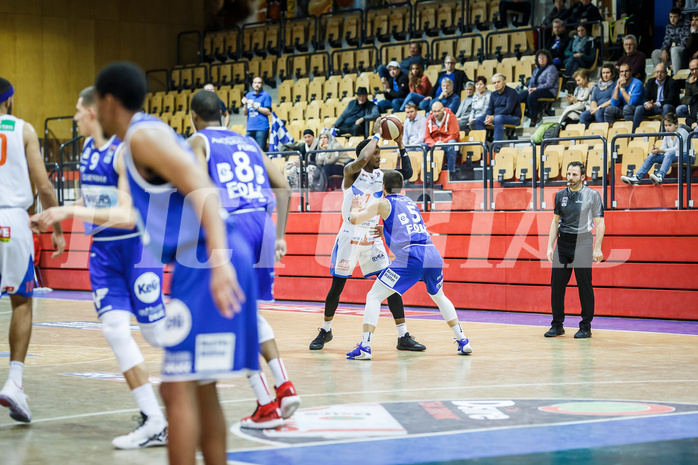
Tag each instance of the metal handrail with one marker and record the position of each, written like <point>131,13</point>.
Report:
<point>363,47</point>
<point>246,68</point>
<point>47,131</point>
<point>304,196</point>
<point>353,11</point>
<point>291,58</point>
<point>168,80</point>
<point>199,51</point>
<point>268,22</point>
<point>509,31</point>
<point>61,180</point>
<point>455,39</point>
<point>534,175</point>
<point>384,48</point>
<point>64,145</point>
<point>284,45</point>
<point>431,164</point>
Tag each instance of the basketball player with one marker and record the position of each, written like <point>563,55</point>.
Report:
<point>20,161</point>
<point>245,178</point>
<point>416,259</point>
<point>126,279</point>
<point>361,242</point>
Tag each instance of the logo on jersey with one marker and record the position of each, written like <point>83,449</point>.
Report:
<point>390,277</point>
<point>215,352</point>
<point>5,233</point>
<point>7,126</point>
<point>147,287</point>
<point>378,257</point>
<point>564,201</point>
<point>225,172</point>
<point>177,323</point>
<point>98,295</point>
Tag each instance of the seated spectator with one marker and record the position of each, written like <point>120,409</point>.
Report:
<point>447,97</point>
<point>559,43</point>
<point>667,154</point>
<point>292,168</point>
<point>225,115</point>
<point>544,83</point>
<point>661,97</point>
<point>504,108</point>
<point>628,92</point>
<point>520,6</point>
<point>481,101</point>
<point>581,52</point>
<point>442,128</point>
<point>332,163</point>
<point>465,108</point>
<point>406,64</point>
<point>413,127</point>
<point>558,12</point>
<point>691,51</point>
<point>419,84</point>
<point>357,112</point>
<point>395,88</point>
<point>675,38</point>
<point>691,89</point>
<point>583,11</point>
<point>581,100</point>
<point>600,96</point>
<point>635,58</point>
<point>456,75</point>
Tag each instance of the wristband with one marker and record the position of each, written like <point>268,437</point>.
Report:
<point>403,152</point>
<point>377,136</point>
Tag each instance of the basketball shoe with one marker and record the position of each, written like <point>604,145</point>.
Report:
<point>287,399</point>
<point>360,353</point>
<point>407,342</point>
<point>322,338</point>
<point>152,432</point>
<point>14,398</point>
<point>464,347</point>
<point>264,417</point>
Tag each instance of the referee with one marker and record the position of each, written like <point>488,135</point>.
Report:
<point>575,207</point>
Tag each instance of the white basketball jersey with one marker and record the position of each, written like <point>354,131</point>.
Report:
<point>15,187</point>
<point>370,187</point>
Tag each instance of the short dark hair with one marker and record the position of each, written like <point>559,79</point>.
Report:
<point>392,181</point>
<point>205,104</point>
<point>694,14</point>
<point>481,79</point>
<point>671,118</point>
<point>418,44</point>
<point>578,164</point>
<point>88,96</point>
<point>4,85</point>
<point>125,81</point>
<point>547,55</point>
<point>675,11</point>
<point>360,146</point>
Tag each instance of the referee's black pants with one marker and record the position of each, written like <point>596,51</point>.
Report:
<point>572,252</point>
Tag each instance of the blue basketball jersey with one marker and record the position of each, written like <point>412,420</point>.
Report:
<point>404,226</point>
<point>100,182</point>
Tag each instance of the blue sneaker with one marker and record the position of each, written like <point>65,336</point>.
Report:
<point>464,347</point>
<point>360,353</point>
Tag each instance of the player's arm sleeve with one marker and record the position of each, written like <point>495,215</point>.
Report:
<point>406,165</point>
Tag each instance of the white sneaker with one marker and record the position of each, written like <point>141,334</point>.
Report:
<point>632,180</point>
<point>14,398</point>
<point>152,432</point>
<point>656,179</point>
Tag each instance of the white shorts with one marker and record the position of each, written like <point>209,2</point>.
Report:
<point>347,251</point>
<point>16,252</point>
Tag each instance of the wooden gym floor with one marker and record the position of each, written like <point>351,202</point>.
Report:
<point>627,395</point>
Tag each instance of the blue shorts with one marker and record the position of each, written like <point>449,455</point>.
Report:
<point>259,230</point>
<point>125,276</point>
<point>199,342</point>
<point>416,263</point>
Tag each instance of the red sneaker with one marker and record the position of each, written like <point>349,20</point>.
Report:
<point>288,399</point>
<point>265,417</point>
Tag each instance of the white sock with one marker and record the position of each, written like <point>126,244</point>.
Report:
<point>147,402</point>
<point>327,325</point>
<point>279,371</point>
<point>366,339</point>
<point>16,369</point>
<point>401,329</point>
<point>458,331</point>
<point>259,385</point>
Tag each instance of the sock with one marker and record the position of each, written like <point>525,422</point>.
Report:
<point>401,329</point>
<point>259,385</point>
<point>327,325</point>
<point>458,331</point>
<point>16,369</point>
<point>147,402</point>
<point>366,339</point>
<point>279,371</point>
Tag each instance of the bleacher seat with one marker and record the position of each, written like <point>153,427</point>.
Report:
<point>552,163</point>
<point>595,169</point>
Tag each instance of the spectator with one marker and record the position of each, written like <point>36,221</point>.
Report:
<point>559,42</point>
<point>691,51</point>
<point>691,89</point>
<point>661,96</point>
<point>544,83</point>
<point>674,43</point>
<point>667,154</point>
<point>447,97</point>
<point>520,6</point>
<point>332,163</point>
<point>583,11</point>
<point>558,12</point>
<point>358,111</point>
<point>635,58</point>
<point>481,101</point>
<point>456,75</point>
<point>414,126</point>
<point>601,96</point>
<point>581,52</point>
<point>628,92</point>
<point>406,64</point>
<point>466,108</point>
<point>420,86</point>
<point>581,100</point>
<point>225,116</point>
<point>395,88</point>
<point>292,168</point>
<point>442,128</point>
<point>257,108</point>
<point>504,108</point>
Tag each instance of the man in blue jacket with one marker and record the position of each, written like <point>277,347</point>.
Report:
<point>504,108</point>
<point>629,92</point>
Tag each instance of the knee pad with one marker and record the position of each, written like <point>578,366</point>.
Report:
<point>154,333</point>
<point>264,331</point>
<point>116,327</point>
<point>448,311</point>
<point>378,293</point>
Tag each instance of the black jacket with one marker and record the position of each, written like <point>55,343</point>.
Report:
<point>354,111</point>
<point>580,13</point>
<point>671,91</point>
<point>560,51</point>
<point>403,87</point>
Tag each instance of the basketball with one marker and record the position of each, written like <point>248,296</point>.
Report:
<point>390,127</point>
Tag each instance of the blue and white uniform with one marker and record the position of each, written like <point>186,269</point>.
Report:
<point>200,343</point>
<point>236,166</point>
<point>354,242</point>
<point>416,258</point>
<point>123,275</point>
